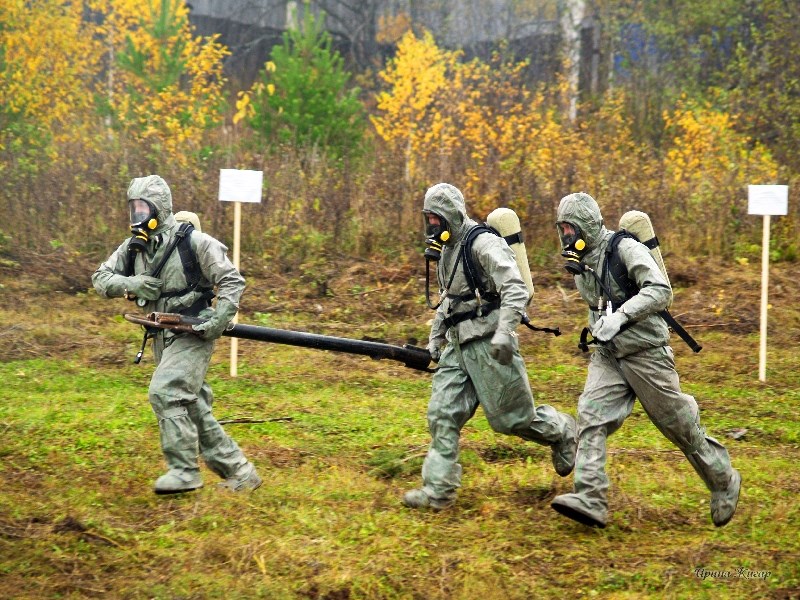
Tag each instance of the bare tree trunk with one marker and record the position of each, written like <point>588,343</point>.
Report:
<point>572,13</point>
<point>356,21</point>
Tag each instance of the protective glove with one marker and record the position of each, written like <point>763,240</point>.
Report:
<point>503,347</point>
<point>435,348</point>
<point>607,326</point>
<point>143,286</point>
<point>216,324</point>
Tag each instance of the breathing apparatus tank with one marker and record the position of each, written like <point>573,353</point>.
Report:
<point>185,216</point>
<point>506,222</point>
<point>640,225</point>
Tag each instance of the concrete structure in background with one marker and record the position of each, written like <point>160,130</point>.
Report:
<point>365,31</point>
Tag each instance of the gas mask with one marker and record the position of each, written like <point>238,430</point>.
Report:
<point>143,222</point>
<point>436,235</point>
<point>573,247</point>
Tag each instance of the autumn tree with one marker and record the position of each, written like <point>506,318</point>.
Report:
<point>302,95</point>
<point>164,85</point>
<point>763,78</point>
<point>45,80</point>
<point>663,50</point>
<point>475,123</point>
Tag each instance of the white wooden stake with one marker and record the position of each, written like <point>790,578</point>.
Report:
<point>237,238</point>
<point>237,186</point>
<point>762,354</point>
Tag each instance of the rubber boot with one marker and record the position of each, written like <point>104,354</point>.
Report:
<point>563,452</point>
<point>589,503</point>
<point>723,502</point>
<point>245,479</point>
<point>419,499</point>
<point>178,481</point>
<point>574,507</point>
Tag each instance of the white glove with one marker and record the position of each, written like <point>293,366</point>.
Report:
<point>503,347</point>
<point>143,286</point>
<point>607,326</point>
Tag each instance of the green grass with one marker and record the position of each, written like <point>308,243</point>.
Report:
<point>342,438</point>
<point>338,439</point>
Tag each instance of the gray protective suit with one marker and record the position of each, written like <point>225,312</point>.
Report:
<point>468,375</point>
<point>635,363</point>
<point>179,394</point>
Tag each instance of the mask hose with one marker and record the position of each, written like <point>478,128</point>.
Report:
<point>428,286</point>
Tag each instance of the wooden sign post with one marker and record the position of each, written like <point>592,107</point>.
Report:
<point>237,186</point>
<point>766,200</point>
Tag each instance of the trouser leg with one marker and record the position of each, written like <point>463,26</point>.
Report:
<point>605,403</point>
<point>219,451</point>
<point>655,381</point>
<point>452,404</point>
<point>505,395</point>
<point>173,389</point>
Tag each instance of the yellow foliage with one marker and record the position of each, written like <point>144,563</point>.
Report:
<point>474,120</point>
<point>45,77</point>
<point>175,114</point>
<point>709,165</point>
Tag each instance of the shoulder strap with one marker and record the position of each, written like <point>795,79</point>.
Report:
<point>614,267</point>
<point>129,270</point>
<point>470,269</point>
<point>191,267</point>
<point>181,233</point>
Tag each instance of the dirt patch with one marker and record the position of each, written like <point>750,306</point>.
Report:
<point>535,496</point>
<point>277,456</point>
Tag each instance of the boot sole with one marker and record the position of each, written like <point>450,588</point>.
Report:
<point>175,492</point>
<point>576,515</point>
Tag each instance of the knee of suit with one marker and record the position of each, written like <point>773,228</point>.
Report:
<point>507,423</point>
<point>443,428</point>
<point>684,430</point>
<point>168,407</point>
<point>198,410</point>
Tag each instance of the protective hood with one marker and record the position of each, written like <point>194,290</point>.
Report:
<point>156,191</point>
<point>447,201</point>
<point>581,210</point>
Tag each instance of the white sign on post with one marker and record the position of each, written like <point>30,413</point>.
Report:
<point>766,200</point>
<point>237,186</point>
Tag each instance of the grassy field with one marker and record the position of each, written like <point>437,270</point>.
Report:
<point>339,438</point>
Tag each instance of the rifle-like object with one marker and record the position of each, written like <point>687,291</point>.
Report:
<point>411,356</point>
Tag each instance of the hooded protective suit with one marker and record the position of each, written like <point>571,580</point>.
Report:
<point>470,372</point>
<point>179,394</point>
<point>634,363</point>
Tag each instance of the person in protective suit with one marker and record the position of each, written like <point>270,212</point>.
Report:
<point>179,394</point>
<point>478,354</point>
<point>633,360</point>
